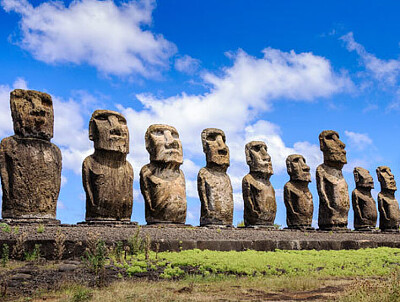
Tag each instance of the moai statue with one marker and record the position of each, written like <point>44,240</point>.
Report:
<point>213,184</point>
<point>334,202</point>
<point>297,197</point>
<point>107,175</point>
<point>258,193</point>
<point>162,183</point>
<point>365,214</point>
<point>30,165</point>
<point>389,213</point>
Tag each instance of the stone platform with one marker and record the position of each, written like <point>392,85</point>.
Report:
<point>186,237</point>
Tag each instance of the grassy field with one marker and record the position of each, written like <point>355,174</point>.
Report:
<point>194,275</point>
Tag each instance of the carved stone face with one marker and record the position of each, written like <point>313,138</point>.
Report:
<point>32,113</point>
<point>333,148</point>
<point>257,157</point>
<point>109,131</point>
<point>363,178</point>
<point>386,178</point>
<point>163,144</point>
<point>297,168</point>
<point>214,146</point>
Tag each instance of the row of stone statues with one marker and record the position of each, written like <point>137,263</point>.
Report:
<point>30,170</point>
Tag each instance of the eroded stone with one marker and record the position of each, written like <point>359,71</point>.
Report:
<point>107,175</point>
<point>162,182</point>
<point>30,165</point>
<point>389,213</point>
<point>334,202</point>
<point>297,197</point>
<point>365,213</point>
<point>213,184</point>
<point>258,193</point>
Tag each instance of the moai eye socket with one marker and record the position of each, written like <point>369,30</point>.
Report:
<point>47,102</point>
<point>211,137</point>
<point>256,148</point>
<point>175,134</point>
<point>121,120</point>
<point>102,117</point>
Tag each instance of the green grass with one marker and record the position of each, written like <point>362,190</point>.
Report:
<point>363,262</point>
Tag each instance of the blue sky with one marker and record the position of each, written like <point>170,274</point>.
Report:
<point>278,71</point>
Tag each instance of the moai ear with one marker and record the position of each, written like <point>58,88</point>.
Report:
<point>356,176</point>
<point>91,130</point>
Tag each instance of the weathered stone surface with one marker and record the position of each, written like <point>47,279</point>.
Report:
<point>258,193</point>
<point>30,165</point>
<point>297,197</point>
<point>107,175</point>
<point>213,184</point>
<point>334,202</point>
<point>162,182</point>
<point>389,213</point>
<point>364,206</point>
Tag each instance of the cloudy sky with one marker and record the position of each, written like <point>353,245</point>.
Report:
<point>277,71</point>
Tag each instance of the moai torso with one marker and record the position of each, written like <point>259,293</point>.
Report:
<point>258,193</point>
<point>30,165</point>
<point>162,182</point>
<point>216,197</point>
<point>389,213</point>
<point>31,177</point>
<point>297,197</point>
<point>365,213</point>
<point>334,202</point>
<point>108,184</point>
<point>106,174</point>
<point>259,201</point>
<point>213,184</point>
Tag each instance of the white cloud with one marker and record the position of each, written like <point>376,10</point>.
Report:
<point>105,35</point>
<point>386,71</point>
<point>358,140</point>
<point>187,64</point>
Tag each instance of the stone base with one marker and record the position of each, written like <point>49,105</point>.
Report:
<point>260,226</point>
<point>366,229</point>
<point>217,226</point>
<point>390,231</point>
<point>167,225</point>
<point>27,221</point>
<point>300,228</point>
<point>108,223</point>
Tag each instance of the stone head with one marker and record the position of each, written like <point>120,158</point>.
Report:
<point>386,178</point>
<point>362,178</point>
<point>163,144</point>
<point>32,114</point>
<point>109,131</point>
<point>333,149</point>
<point>214,146</point>
<point>297,168</point>
<point>257,157</point>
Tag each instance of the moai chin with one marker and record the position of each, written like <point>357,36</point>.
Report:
<point>365,213</point>
<point>213,184</point>
<point>106,174</point>
<point>162,182</point>
<point>334,202</point>
<point>389,213</point>
<point>297,197</point>
<point>30,165</point>
<point>258,193</point>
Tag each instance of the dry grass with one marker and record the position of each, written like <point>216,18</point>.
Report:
<point>209,289</point>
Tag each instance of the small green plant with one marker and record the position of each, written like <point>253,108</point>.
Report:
<point>81,294</point>
<point>95,259</point>
<point>34,255</point>
<point>5,254</point>
<point>277,226</point>
<point>5,227</point>
<point>40,229</point>
<point>136,244</point>
<point>16,230</point>
<point>171,272</point>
